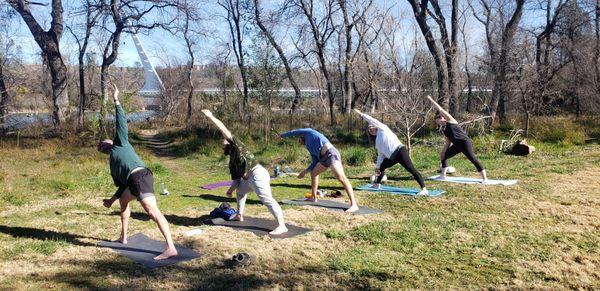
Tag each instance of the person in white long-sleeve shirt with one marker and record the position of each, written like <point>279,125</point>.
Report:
<point>390,151</point>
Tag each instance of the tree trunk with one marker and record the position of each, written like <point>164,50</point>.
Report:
<point>420,12</point>
<point>4,96</point>
<point>282,57</point>
<point>498,106</point>
<point>48,41</point>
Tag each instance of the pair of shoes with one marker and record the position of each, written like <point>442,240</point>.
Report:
<point>239,260</point>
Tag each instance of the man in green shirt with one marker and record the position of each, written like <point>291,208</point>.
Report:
<point>134,180</point>
<point>248,176</point>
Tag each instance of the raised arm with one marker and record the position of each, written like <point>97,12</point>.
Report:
<point>372,121</point>
<point>122,131</point>
<point>297,132</point>
<point>445,113</point>
<point>226,133</point>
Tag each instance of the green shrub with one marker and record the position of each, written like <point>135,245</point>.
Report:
<point>335,234</point>
<point>291,154</point>
<point>158,169</point>
<point>61,185</point>
<point>558,130</point>
<point>356,156</point>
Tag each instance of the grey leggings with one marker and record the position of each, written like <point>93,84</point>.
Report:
<point>465,147</point>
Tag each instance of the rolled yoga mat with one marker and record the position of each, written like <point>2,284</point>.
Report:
<point>398,190</point>
<point>217,185</point>
<point>465,180</point>
<point>332,205</point>
<point>142,249</point>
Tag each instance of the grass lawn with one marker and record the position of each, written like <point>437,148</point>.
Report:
<point>543,232</point>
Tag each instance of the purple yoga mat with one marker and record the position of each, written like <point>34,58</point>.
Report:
<point>217,185</point>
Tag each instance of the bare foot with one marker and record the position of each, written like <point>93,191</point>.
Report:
<point>352,208</point>
<point>107,203</point>
<point>279,230</point>
<point>238,217</point>
<point>123,240</point>
<point>168,253</point>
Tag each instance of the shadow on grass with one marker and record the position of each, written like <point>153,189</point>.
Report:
<point>172,219</point>
<point>128,275</point>
<point>41,234</point>
<point>222,199</point>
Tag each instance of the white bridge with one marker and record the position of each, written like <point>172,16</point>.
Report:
<point>151,91</point>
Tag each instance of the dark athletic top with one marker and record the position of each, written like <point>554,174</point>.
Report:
<point>455,133</point>
<point>241,161</point>
<point>123,158</point>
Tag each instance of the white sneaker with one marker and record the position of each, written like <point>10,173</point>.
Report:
<point>423,192</point>
<point>376,186</point>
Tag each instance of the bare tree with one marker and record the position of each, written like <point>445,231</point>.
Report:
<point>499,51</point>
<point>445,57</point>
<point>91,17</point>
<point>122,15</point>
<point>191,34</point>
<point>321,30</point>
<point>358,9</point>
<point>49,43</point>
<point>237,22</point>
<point>282,57</point>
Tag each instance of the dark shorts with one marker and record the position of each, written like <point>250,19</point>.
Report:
<point>141,184</point>
<point>330,156</point>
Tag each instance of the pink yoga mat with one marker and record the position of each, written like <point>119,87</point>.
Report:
<point>217,185</point>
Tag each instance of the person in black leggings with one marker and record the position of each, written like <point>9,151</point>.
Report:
<point>457,141</point>
<point>390,151</point>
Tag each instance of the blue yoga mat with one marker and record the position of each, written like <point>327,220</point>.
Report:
<point>398,190</point>
<point>466,180</point>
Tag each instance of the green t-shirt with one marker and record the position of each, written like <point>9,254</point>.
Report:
<point>123,158</point>
<point>241,161</point>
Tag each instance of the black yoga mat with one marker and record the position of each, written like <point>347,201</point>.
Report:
<point>259,226</point>
<point>142,249</point>
<point>333,205</point>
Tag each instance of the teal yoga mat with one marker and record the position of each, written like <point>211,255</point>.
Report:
<point>466,180</point>
<point>398,190</point>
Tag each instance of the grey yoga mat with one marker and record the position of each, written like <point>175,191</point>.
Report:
<point>260,226</point>
<point>333,205</point>
<point>142,249</point>
<point>465,180</point>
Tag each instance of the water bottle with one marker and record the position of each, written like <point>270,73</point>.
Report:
<point>164,189</point>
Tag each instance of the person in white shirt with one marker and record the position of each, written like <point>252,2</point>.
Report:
<point>390,151</point>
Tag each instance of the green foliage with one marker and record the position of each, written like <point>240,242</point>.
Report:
<point>335,234</point>
<point>356,156</point>
<point>14,200</point>
<point>558,130</point>
<point>61,185</point>
<point>158,168</point>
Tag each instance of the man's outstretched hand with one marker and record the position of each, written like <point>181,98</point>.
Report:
<point>115,93</point>
<point>207,112</point>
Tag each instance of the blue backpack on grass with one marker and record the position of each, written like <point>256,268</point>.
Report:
<point>224,211</point>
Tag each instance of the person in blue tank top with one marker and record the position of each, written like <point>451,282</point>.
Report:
<point>133,179</point>
<point>457,141</point>
<point>323,156</point>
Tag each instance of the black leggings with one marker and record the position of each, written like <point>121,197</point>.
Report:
<point>465,147</point>
<point>400,156</point>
